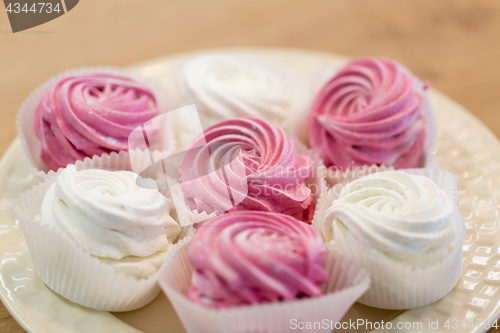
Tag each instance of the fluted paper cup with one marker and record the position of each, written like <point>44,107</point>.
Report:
<point>347,283</point>
<point>394,284</point>
<point>32,146</point>
<point>187,217</point>
<point>67,269</point>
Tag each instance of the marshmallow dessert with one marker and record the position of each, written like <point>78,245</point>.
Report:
<point>97,238</point>
<point>256,271</point>
<point>224,86</point>
<point>406,218</point>
<point>398,224</point>
<point>90,112</point>
<point>246,164</point>
<point>255,257</point>
<point>373,111</point>
<point>110,217</point>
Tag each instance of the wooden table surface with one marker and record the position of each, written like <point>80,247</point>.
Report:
<point>453,43</point>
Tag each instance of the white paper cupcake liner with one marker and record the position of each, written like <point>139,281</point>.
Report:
<point>116,161</point>
<point>347,283</point>
<point>186,216</point>
<point>67,269</point>
<point>394,284</point>
<point>316,182</point>
<point>32,146</point>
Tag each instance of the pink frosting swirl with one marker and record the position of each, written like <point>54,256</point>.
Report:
<point>92,114</point>
<point>253,257</point>
<point>370,112</point>
<point>254,162</point>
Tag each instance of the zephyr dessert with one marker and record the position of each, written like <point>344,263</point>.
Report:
<point>224,86</point>
<point>283,260</point>
<point>402,228</point>
<point>90,112</point>
<point>373,111</point>
<point>109,216</point>
<point>254,271</point>
<point>246,164</point>
<point>97,238</point>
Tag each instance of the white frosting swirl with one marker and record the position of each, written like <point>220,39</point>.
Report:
<point>405,217</point>
<point>228,86</point>
<point>109,216</point>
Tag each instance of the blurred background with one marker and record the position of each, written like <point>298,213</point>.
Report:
<point>453,43</point>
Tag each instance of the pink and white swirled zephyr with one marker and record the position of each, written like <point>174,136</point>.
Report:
<point>252,160</point>
<point>254,257</point>
<point>370,112</point>
<point>92,114</point>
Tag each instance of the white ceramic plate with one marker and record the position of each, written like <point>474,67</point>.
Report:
<point>466,148</point>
